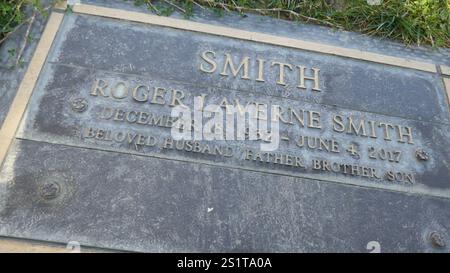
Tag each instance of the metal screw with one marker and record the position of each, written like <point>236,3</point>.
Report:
<point>79,105</point>
<point>49,190</point>
<point>437,239</point>
<point>422,155</point>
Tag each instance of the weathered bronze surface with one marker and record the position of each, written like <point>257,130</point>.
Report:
<point>363,155</point>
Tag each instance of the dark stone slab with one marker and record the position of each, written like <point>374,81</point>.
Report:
<point>147,204</point>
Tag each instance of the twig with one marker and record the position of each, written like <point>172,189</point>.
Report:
<point>175,6</point>
<point>198,5</point>
<point>295,14</point>
<point>25,38</point>
<point>154,8</point>
<point>14,30</point>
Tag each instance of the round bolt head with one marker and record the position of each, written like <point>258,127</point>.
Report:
<point>422,155</point>
<point>79,105</point>
<point>49,190</point>
<point>437,239</point>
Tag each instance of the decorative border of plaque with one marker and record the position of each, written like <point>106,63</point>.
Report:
<point>445,70</point>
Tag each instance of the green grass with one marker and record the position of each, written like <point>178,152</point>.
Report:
<point>421,22</point>
<point>14,14</point>
<point>11,14</point>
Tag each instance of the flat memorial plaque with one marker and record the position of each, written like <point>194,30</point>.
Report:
<point>363,152</point>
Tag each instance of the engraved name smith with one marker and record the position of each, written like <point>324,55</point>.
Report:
<point>227,67</point>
